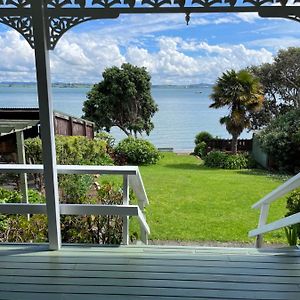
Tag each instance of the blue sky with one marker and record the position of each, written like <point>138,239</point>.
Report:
<point>171,51</point>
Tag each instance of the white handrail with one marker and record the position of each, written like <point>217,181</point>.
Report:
<point>283,189</point>
<point>264,204</point>
<point>132,172</point>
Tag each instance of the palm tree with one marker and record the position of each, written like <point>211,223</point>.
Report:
<point>241,93</point>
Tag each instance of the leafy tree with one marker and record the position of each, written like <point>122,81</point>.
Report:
<point>123,99</point>
<point>281,84</point>
<point>241,93</point>
<point>281,140</point>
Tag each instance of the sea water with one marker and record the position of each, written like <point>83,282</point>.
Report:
<point>183,111</point>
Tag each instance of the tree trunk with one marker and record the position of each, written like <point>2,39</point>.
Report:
<point>234,143</point>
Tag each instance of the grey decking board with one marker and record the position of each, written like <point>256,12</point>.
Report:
<point>62,265</point>
<point>30,296</point>
<point>155,283</point>
<point>88,258</point>
<point>148,273</point>
<point>93,274</point>
<point>145,291</point>
<point>163,276</point>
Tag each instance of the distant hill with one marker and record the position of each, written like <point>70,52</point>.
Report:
<point>188,86</point>
<point>89,85</point>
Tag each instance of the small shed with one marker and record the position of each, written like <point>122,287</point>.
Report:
<point>26,121</point>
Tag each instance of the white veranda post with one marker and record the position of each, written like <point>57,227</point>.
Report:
<point>40,28</point>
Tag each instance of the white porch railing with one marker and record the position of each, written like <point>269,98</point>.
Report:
<point>131,177</point>
<point>264,205</point>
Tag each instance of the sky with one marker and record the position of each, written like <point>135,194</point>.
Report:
<point>172,52</point>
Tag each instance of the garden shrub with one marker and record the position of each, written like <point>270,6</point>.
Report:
<point>107,138</point>
<point>71,150</point>
<point>219,159</point>
<point>9,196</point>
<point>201,141</point>
<point>74,229</point>
<point>235,161</point>
<point>215,159</point>
<point>293,207</point>
<point>203,136</point>
<point>137,151</point>
<point>200,149</point>
<point>17,228</point>
<point>281,140</point>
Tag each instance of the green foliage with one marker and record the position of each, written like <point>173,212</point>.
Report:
<point>137,151</point>
<point>72,150</point>
<point>79,150</point>
<point>74,229</point>
<point>235,161</point>
<point>241,93</point>
<point>201,149</point>
<point>293,207</point>
<point>281,84</point>
<point>203,136</point>
<point>123,99</point>
<point>9,196</point>
<point>107,138</point>
<point>215,159</point>
<point>96,229</point>
<point>291,233</point>
<point>281,140</point>
<point>219,159</point>
<point>17,228</point>
<point>74,188</point>
<point>33,149</point>
<point>35,196</point>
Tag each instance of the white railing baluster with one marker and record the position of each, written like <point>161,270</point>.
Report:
<point>131,176</point>
<point>264,205</point>
<point>264,211</point>
<point>125,233</point>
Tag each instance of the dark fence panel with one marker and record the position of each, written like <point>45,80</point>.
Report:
<point>66,125</point>
<point>225,144</point>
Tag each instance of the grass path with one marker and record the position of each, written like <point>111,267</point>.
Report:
<point>189,202</point>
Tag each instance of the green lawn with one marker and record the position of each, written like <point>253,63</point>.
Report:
<point>189,202</point>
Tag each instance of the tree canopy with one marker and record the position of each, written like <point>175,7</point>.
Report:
<point>241,93</point>
<point>281,140</point>
<point>281,84</point>
<point>123,99</point>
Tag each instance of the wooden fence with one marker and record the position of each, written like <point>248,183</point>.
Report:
<point>225,144</point>
<point>67,125</point>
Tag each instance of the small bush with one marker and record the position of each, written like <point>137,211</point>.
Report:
<point>72,150</point>
<point>215,159</point>
<point>235,161</point>
<point>201,149</point>
<point>293,207</point>
<point>74,229</point>
<point>203,136</point>
<point>137,151</point>
<point>107,138</point>
<point>281,141</point>
<point>8,196</point>
<point>219,159</point>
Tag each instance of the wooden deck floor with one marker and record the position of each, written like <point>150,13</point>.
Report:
<point>32,272</point>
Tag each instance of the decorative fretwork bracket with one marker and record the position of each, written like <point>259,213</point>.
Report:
<point>61,15</point>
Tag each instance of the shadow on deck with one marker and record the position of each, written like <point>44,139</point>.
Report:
<point>150,272</point>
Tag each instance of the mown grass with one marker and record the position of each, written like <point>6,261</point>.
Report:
<point>189,202</point>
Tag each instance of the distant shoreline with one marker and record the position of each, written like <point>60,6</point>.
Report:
<point>89,85</point>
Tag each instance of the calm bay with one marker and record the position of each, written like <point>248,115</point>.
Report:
<point>183,111</point>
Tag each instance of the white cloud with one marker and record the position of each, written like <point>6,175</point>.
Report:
<point>276,43</point>
<point>83,56</point>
